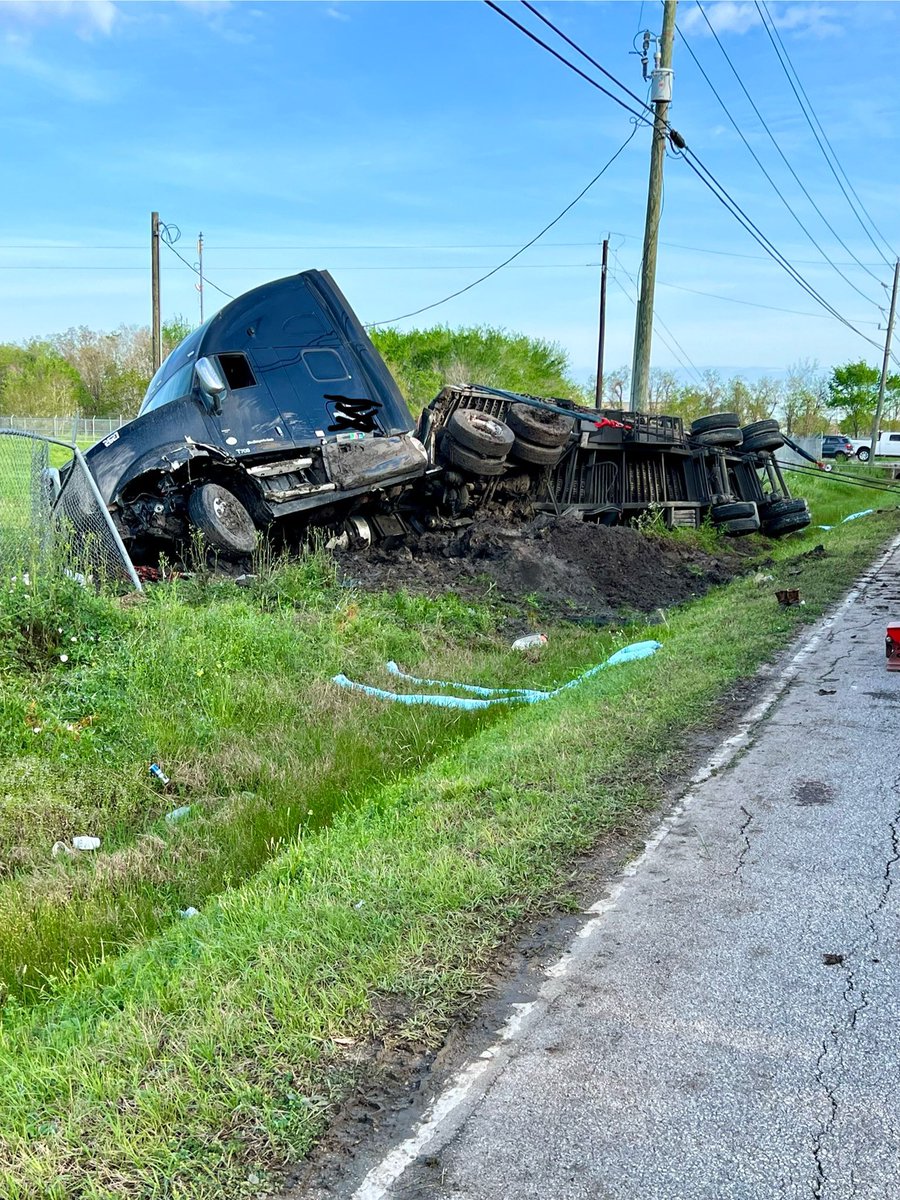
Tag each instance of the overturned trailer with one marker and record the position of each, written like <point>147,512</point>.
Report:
<point>279,411</point>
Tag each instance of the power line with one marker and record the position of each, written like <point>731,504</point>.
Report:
<point>683,357</point>
<point>796,312</point>
<point>164,238</point>
<point>593,82</point>
<point>706,177</point>
<point>759,163</point>
<point>762,17</point>
<point>521,250</point>
<point>721,194</point>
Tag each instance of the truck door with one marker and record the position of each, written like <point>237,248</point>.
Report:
<point>249,418</point>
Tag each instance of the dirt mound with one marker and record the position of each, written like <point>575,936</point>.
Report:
<point>564,566</point>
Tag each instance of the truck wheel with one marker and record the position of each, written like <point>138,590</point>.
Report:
<point>716,421</point>
<point>788,523</point>
<point>771,440</point>
<point>740,527</point>
<point>864,453</point>
<point>783,508</point>
<point>726,435</point>
<point>538,426</point>
<point>474,430</point>
<point>469,460</point>
<point>737,511</point>
<point>222,519</point>
<point>538,456</point>
<point>755,428</point>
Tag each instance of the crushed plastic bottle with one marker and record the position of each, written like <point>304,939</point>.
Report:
<point>159,774</point>
<point>187,913</point>
<point>177,814</point>
<point>83,842</point>
<point>530,642</point>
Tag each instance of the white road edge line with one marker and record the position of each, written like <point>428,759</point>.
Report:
<point>384,1175</point>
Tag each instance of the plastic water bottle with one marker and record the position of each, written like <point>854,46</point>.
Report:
<point>158,773</point>
<point>530,641</point>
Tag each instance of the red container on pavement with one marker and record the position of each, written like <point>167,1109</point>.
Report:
<point>892,646</point>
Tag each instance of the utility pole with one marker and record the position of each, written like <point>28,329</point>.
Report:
<point>601,340</point>
<point>199,286</point>
<point>156,325</point>
<point>662,95</point>
<point>879,407</point>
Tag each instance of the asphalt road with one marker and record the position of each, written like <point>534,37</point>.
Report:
<point>727,1024</point>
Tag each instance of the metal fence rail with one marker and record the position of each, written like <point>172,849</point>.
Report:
<point>71,429</point>
<point>55,519</point>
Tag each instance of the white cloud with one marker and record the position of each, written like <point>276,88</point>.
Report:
<point>336,14</point>
<point>737,16</point>
<point>90,16</point>
<point>15,56</point>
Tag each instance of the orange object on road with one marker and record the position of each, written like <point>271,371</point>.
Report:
<point>892,646</point>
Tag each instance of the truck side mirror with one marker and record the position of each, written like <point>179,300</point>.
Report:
<point>213,386</point>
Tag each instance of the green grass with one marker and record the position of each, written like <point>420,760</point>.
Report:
<point>206,1054</point>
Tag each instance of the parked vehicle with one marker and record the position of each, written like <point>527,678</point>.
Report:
<point>888,447</point>
<point>280,410</point>
<point>837,446</point>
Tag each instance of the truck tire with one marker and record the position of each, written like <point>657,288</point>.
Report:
<point>864,453</point>
<point>788,523</point>
<point>474,430</point>
<point>470,461</point>
<point>538,426</point>
<point>739,510</point>
<point>716,421</point>
<point>741,526</point>
<point>755,428</point>
<point>771,440</point>
<point>727,435</point>
<point>782,508</point>
<point>539,456</point>
<point>222,519</point>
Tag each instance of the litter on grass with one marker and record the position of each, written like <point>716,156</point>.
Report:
<point>489,696</point>
<point>853,516</point>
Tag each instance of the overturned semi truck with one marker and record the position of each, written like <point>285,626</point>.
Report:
<point>279,411</point>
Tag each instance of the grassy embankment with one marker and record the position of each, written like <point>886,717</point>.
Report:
<point>201,1058</point>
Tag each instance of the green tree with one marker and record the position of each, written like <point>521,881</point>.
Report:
<point>423,361</point>
<point>805,400</point>
<point>853,392</point>
<point>36,381</point>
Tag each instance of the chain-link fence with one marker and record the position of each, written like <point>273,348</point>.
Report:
<point>52,517</point>
<point>72,429</point>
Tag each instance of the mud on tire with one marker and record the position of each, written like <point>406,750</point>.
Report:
<point>538,456</point>
<point>469,460</point>
<point>474,430</point>
<point>538,426</point>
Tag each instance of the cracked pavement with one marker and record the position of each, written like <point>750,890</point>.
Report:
<point>728,1028</point>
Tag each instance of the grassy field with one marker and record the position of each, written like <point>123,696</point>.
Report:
<point>349,859</point>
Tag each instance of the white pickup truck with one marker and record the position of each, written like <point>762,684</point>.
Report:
<point>888,447</point>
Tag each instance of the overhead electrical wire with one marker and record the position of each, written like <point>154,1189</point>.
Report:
<point>165,235</point>
<point>697,166</point>
<point>681,354</point>
<point>773,34</point>
<point>475,282</point>
<point>759,163</point>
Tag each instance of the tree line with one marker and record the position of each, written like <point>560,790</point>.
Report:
<point>90,373</point>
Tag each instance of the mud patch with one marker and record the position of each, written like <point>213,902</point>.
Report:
<point>813,792</point>
<point>565,567</point>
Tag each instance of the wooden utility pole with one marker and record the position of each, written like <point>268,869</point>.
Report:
<point>200,270</point>
<point>601,340</point>
<point>156,325</point>
<point>662,95</point>
<point>879,407</point>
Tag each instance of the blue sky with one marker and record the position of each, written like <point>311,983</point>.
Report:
<point>407,147</point>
